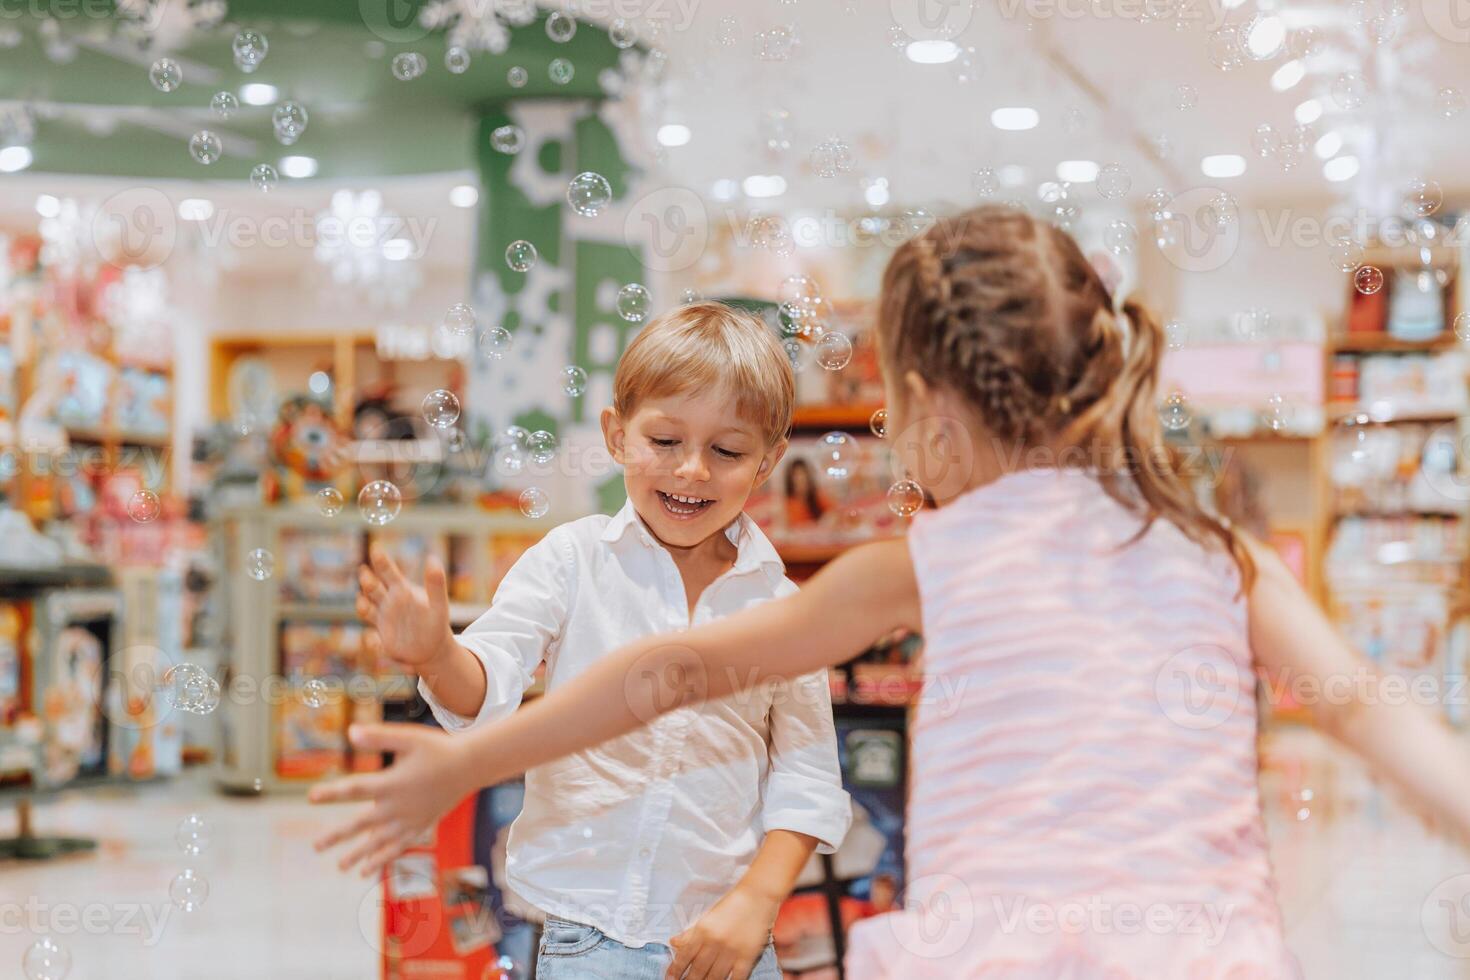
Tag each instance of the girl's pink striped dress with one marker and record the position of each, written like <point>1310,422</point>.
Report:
<point>1084,801</point>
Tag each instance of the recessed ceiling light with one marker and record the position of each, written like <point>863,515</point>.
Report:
<point>258,93</point>
<point>764,185</point>
<point>1012,175</point>
<point>1328,146</point>
<point>48,205</point>
<point>397,249</point>
<point>724,189</point>
<point>15,158</point>
<point>932,52</point>
<point>673,134</point>
<point>1223,165</point>
<point>1340,168</point>
<point>298,167</point>
<point>196,209</point>
<point>1015,118</point>
<point>876,193</point>
<point>1308,112</point>
<point>1288,75</point>
<point>1077,171</point>
<point>464,195</point>
<point>1266,38</point>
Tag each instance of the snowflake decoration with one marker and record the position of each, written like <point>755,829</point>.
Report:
<point>476,25</point>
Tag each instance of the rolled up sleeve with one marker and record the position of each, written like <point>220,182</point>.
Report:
<point>803,790</point>
<point>512,637</point>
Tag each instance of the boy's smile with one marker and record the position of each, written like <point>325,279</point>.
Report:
<point>690,463</point>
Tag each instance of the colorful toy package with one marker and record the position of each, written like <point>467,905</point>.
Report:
<point>320,649</point>
<point>310,742</point>
<point>410,551</point>
<point>319,566</point>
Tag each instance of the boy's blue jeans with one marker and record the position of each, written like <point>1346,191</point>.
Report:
<point>572,951</point>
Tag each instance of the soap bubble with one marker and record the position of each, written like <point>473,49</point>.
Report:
<point>984,182</point>
<point>408,65</point>
<point>541,445</point>
<point>379,502</point>
<point>832,156</point>
<point>1252,323</point>
<point>836,454</point>
<point>1224,48</point>
<point>455,440</point>
<point>460,319</point>
<point>144,506</point>
<point>588,193</point>
<point>249,48</point>
<point>799,290</point>
<point>166,75</point>
<point>224,104</point>
<point>1462,326</point>
<point>1120,237</point>
<point>573,381</point>
<point>289,121</point>
<point>1186,97</point>
<point>263,177</point>
<point>261,564</point>
<point>561,71</point>
<point>1422,197</point>
<point>188,890</point>
<point>1368,279</point>
<point>329,501</point>
<point>205,147</point>
<point>193,834</point>
<point>314,693</point>
<point>905,498</point>
<point>508,139</point>
<point>622,34</point>
<point>834,351</point>
<point>1175,413</point>
<point>915,222</point>
<point>1264,140</point>
<point>534,502</point>
<point>520,255</point>
<point>690,296</point>
<point>1113,181</point>
<point>1175,335</point>
<point>1450,102</point>
<point>1158,202</point>
<point>457,60</point>
<point>1277,413</point>
<point>633,302</point>
<point>46,959</point>
<point>441,408</point>
<point>560,28</point>
<point>190,688</point>
<point>1346,256</point>
<point>516,76</point>
<point>1349,90</point>
<point>495,342</point>
<point>878,423</point>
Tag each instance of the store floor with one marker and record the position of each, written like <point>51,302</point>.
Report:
<point>1355,878</point>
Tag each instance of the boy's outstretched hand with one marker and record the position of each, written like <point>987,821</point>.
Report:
<point>727,941</point>
<point>429,775</point>
<point>409,623</point>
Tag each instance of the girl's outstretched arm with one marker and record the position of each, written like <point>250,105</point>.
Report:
<point>1401,739</point>
<point>856,599</point>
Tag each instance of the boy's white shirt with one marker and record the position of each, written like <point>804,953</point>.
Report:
<point>642,835</point>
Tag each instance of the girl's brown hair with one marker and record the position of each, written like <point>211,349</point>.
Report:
<point>1005,311</point>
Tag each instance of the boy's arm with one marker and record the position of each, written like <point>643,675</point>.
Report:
<point>482,673</point>
<point>804,791</point>
<point>728,940</point>
<point>1400,739</point>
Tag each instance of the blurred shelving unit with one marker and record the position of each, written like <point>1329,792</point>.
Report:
<point>280,734</point>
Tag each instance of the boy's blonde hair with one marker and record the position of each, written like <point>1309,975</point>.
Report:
<point>707,345</point>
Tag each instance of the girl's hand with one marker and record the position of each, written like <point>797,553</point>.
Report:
<point>429,775</point>
<point>408,623</point>
<point>727,941</point>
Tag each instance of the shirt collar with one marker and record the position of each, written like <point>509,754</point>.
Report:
<point>754,550</point>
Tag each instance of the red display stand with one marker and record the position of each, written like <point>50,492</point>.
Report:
<point>435,924</point>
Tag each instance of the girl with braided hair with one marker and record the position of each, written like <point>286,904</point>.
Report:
<point>1084,800</point>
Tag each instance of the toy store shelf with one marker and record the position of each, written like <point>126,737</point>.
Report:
<point>1381,414</point>
<point>316,610</point>
<point>119,436</point>
<point>1393,512</point>
<point>811,417</point>
<point>1383,343</point>
<point>1266,436</point>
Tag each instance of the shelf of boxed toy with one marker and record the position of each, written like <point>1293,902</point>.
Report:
<point>298,625</point>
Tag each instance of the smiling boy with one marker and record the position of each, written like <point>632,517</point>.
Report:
<point>666,852</point>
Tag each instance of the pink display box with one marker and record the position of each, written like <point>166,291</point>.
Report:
<point>1223,375</point>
